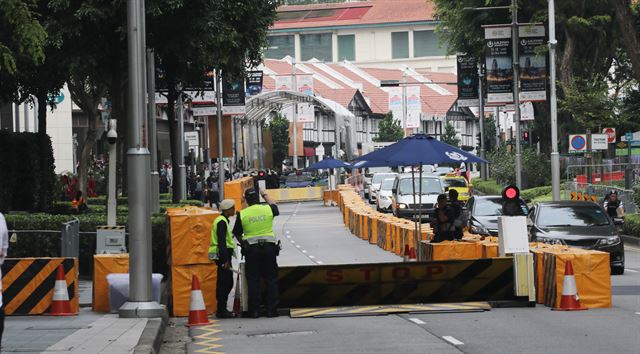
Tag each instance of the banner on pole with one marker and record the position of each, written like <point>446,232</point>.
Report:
<point>304,83</point>
<point>254,83</point>
<point>306,113</point>
<point>414,107</point>
<point>233,97</point>
<point>498,60</point>
<point>395,102</point>
<point>284,83</point>
<point>468,81</point>
<point>533,63</point>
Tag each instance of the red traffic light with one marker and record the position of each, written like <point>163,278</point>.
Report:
<point>261,173</point>
<point>510,193</point>
<point>525,136</point>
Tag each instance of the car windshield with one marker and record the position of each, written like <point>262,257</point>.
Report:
<point>492,207</point>
<point>379,177</point>
<point>373,170</point>
<point>387,184</point>
<point>444,170</point>
<point>429,186</point>
<point>571,215</point>
<point>455,182</point>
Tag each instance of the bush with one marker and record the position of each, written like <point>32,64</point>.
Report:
<point>636,194</point>
<point>39,244</point>
<point>534,193</point>
<point>536,169</point>
<point>631,225</point>
<point>489,187</point>
<point>26,171</point>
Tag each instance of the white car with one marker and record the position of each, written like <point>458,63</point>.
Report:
<point>403,195</point>
<point>383,201</point>
<point>374,186</point>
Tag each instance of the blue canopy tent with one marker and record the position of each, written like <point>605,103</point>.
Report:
<point>416,150</point>
<point>328,163</point>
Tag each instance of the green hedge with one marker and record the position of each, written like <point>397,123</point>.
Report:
<point>102,200</point>
<point>27,178</point>
<point>48,244</point>
<point>631,225</point>
<point>535,193</point>
<point>489,187</point>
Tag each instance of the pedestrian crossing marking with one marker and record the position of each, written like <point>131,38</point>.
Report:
<point>206,342</point>
<point>389,309</point>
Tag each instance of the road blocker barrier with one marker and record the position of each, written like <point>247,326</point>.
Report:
<point>235,190</point>
<point>397,283</point>
<point>103,265</point>
<point>28,284</point>
<point>283,195</point>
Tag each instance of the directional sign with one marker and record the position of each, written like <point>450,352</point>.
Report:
<point>611,134</point>
<point>577,143</point>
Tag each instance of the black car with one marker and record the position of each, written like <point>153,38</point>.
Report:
<point>483,214</point>
<point>578,224</point>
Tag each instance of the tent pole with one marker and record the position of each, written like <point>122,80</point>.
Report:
<point>419,228</point>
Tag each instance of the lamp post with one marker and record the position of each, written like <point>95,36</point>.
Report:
<point>295,115</point>
<point>555,156</point>
<point>516,89</point>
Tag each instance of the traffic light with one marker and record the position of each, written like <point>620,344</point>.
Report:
<point>478,141</point>
<point>511,201</point>
<point>525,135</point>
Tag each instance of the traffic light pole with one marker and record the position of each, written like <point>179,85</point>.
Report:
<point>140,302</point>
<point>555,156</point>
<point>516,90</point>
<point>483,166</point>
<point>218,78</point>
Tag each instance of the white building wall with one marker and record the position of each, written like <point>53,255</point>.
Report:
<point>59,128</point>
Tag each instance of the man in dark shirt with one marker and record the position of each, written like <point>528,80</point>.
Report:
<point>455,217</point>
<point>221,249</point>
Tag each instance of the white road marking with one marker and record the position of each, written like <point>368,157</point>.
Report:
<point>294,214</point>
<point>288,236</point>
<point>298,246</point>
<point>286,232</point>
<point>417,321</point>
<point>631,270</point>
<point>292,241</point>
<point>312,257</point>
<point>304,251</point>
<point>319,262</point>
<point>637,313</point>
<point>452,340</point>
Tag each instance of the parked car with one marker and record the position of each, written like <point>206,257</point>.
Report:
<point>443,170</point>
<point>298,181</point>
<point>383,200</point>
<point>484,211</point>
<point>375,184</point>
<point>578,224</point>
<point>368,175</point>
<point>458,183</point>
<point>403,195</point>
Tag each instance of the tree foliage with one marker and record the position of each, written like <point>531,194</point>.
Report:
<point>21,36</point>
<point>389,129</point>
<point>450,136</point>
<point>279,127</point>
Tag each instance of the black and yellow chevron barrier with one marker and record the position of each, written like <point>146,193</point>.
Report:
<point>28,284</point>
<point>104,227</point>
<point>389,309</point>
<point>397,283</point>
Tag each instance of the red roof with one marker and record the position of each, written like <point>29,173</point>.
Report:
<point>356,13</point>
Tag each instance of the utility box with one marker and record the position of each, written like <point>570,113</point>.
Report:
<point>70,242</point>
<point>110,240</point>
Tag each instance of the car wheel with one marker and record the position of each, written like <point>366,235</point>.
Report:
<point>619,270</point>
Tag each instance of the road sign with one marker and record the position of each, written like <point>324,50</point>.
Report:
<point>628,136</point>
<point>599,142</point>
<point>192,138</point>
<point>577,143</point>
<point>611,134</point>
<point>204,111</point>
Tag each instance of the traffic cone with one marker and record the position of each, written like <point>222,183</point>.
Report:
<point>406,253</point>
<point>570,300</point>
<point>237,298</point>
<point>60,304</point>
<point>412,255</point>
<point>197,309</point>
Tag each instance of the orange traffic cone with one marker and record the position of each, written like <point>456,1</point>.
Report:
<point>197,309</point>
<point>570,300</point>
<point>237,297</point>
<point>412,255</point>
<point>406,253</point>
<point>60,305</point>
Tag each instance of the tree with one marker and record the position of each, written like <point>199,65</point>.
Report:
<point>279,127</point>
<point>450,136</point>
<point>389,129</point>
<point>21,36</point>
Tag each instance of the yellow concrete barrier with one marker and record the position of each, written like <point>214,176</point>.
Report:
<point>296,194</point>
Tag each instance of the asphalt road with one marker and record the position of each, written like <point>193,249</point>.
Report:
<point>312,234</point>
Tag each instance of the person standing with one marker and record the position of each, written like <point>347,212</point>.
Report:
<point>254,229</point>
<point>441,222</point>
<point>455,215</point>
<point>4,247</point>
<point>221,249</point>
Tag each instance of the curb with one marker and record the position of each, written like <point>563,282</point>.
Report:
<point>151,338</point>
<point>631,240</point>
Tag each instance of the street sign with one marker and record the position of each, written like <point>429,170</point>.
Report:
<point>628,136</point>
<point>204,111</point>
<point>191,138</point>
<point>599,142</point>
<point>611,134</point>
<point>577,143</point>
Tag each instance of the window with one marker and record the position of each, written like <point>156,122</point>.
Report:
<point>347,47</point>
<point>280,46</point>
<point>316,46</point>
<point>426,43</point>
<point>399,45</point>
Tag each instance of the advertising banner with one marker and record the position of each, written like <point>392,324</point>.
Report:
<point>306,113</point>
<point>254,83</point>
<point>533,63</point>
<point>395,102</point>
<point>499,64</point>
<point>467,81</point>
<point>304,83</point>
<point>414,106</point>
<point>284,83</point>
<point>233,96</point>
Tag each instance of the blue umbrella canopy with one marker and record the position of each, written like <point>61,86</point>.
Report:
<point>418,149</point>
<point>327,163</point>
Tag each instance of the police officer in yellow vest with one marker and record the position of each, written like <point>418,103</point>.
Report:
<point>254,227</point>
<point>221,249</point>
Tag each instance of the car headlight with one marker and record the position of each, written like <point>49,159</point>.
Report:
<point>550,240</point>
<point>609,241</point>
<point>402,206</point>
<point>479,229</point>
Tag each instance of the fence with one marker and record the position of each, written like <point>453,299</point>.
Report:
<point>599,179</point>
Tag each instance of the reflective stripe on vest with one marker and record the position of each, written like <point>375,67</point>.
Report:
<point>213,245</point>
<point>257,223</point>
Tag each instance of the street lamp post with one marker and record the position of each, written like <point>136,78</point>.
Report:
<point>295,115</point>
<point>516,90</point>
<point>140,302</point>
<point>483,166</point>
<point>404,102</point>
<point>151,126</point>
<point>219,122</point>
<point>555,156</point>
